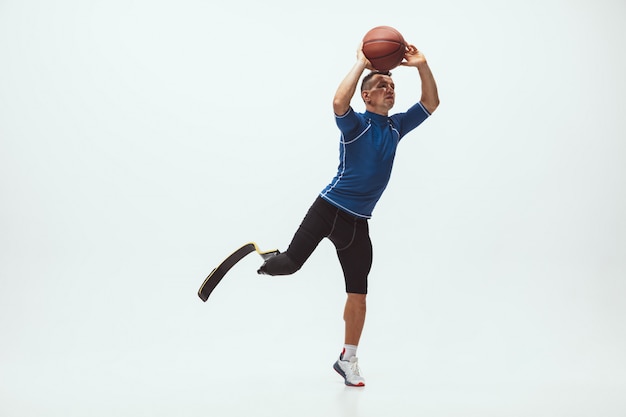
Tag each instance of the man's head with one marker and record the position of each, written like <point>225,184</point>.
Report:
<point>378,92</point>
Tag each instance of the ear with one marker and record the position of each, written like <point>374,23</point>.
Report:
<point>365,95</point>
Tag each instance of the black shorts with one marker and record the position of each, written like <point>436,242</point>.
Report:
<point>349,234</point>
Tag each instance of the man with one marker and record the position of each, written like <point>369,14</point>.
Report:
<point>341,211</point>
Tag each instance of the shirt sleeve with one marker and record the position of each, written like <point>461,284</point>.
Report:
<point>351,125</point>
<point>410,119</point>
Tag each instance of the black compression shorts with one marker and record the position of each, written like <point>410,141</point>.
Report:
<point>348,233</point>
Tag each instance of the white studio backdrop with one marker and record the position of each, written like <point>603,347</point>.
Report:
<point>141,142</point>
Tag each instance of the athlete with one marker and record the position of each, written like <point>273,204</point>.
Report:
<point>340,213</point>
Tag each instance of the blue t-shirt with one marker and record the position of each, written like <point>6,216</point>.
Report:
<point>366,152</point>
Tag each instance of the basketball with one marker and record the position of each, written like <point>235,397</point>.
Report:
<point>384,47</point>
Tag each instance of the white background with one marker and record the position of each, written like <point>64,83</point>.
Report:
<point>142,141</point>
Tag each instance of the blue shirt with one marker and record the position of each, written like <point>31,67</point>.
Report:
<point>367,149</point>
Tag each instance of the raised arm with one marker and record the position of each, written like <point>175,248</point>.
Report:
<point>347,88</point>
<point>430,96</point>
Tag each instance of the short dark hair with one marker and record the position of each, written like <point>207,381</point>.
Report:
<point>369,76</point>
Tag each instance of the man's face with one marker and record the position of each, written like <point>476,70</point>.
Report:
<point>381,95</point>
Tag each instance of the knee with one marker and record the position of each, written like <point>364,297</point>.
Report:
<point>357,301</point>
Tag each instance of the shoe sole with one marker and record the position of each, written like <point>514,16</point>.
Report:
<point>337,368</point>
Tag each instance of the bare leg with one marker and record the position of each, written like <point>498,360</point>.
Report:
<point>354,317</point>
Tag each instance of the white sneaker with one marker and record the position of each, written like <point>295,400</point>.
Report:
<point>350,371</point>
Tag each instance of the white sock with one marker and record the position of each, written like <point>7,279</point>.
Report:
<point>348,352</point>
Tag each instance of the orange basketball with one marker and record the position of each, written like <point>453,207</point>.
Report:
<point>384,46</point>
